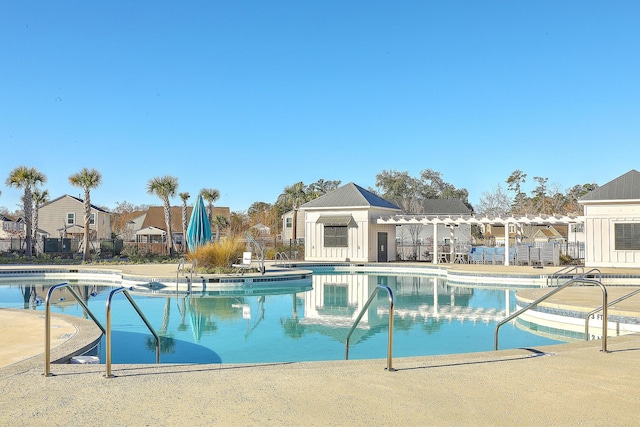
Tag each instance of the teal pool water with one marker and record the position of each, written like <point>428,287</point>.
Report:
<point>303,320</point>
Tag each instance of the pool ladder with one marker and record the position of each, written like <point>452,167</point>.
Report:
<point>282,259</point>
<point>390,337</point>
<point>582,280</point>
<point>106,332</point>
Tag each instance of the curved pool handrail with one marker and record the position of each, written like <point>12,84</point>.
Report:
<point>553,292</point>
<point>595,310</point>
<point>108,332</point>
<point>390,337</point>
<point>47,322</point>
<point>565,271</point>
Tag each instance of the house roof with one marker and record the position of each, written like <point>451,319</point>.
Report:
<point>151,231</point>
<point>349,196</point>
<point>625,187</point>
<point>155,217</point>
<point>445,207</point>
<point>81,201</point>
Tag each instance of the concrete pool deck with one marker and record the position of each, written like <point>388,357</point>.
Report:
<point>565,384</point>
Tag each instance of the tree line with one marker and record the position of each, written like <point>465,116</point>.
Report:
<point>408,192</point>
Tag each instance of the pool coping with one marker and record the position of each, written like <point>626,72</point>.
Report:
<point>456,274</point>
<point>87,335</point>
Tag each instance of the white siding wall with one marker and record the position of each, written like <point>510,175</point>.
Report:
<point>600,223</point>
<point>359,288</point>
<point>363,237</point>
<point>374,229</point>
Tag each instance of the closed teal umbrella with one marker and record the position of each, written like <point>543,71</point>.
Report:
<point>199,230</point>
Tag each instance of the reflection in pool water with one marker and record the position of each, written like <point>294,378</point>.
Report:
<point>292,321</point>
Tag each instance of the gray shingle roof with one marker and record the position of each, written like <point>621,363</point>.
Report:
<point>445,207</point>
<point>350,196</point>
<point>625,187</point>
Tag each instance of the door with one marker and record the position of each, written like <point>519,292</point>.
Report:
<point>382,247</point>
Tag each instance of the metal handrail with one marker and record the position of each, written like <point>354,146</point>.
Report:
<point>567,270</point>
<point>47,323</point>
<point>564,272</point>
<point>108,332</point>
<point>390,338</point>
<point>180,264</point>
<point>556,290</point>
<point>259,249</point>
<point>284,259</point>
<point>594,311</point>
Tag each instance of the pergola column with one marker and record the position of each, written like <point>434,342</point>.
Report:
<point>435,243</point>
<point>506,243</point>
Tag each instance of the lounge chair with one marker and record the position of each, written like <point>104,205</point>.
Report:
<point>498,255</point>
<point>550,254</point>
<point>522,255</point>
<point>489,255</point>
<point>244,264</point>
<point>476,256</point>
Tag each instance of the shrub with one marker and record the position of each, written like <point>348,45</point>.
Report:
<point>218,255</point>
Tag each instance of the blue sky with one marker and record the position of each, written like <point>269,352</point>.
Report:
<point>251,96</point>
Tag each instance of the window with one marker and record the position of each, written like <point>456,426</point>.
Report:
<point>92,219</point>
<point>336,295</point>
<point>336,236</point>
<point>627,237</point>
<point>71,218</point>
<point>512,228</point>
<point>289,222</point>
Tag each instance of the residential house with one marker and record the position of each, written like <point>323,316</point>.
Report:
<point>422,234</point>
<point>152,226</point>
<point>612,223</point>
<point>287,226</point>
<point>341,226</point>
<point>11,227</point>
<point>523,233</point>
<point>64,217</point>
<point>261,230</point>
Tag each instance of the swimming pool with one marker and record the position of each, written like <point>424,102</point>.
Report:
<point>300,320</point>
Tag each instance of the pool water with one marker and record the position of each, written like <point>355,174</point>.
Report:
<point>305,320</point>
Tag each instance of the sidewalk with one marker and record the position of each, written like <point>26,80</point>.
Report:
<point>573,384</point>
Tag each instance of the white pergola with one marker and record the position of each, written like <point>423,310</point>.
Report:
<point>456,220</point>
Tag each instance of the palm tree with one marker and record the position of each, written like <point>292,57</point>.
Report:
<point>294,195</point>
<point>86,179</point>
<point>184,197</point>
<point>26,178</point>
<point>220,221</point>
<point>39,198</point>
<point>165,187</point>
<point>210,195</point>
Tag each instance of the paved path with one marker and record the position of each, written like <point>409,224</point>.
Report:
<point>573,384</point>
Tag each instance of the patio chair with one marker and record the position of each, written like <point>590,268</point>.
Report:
<point>476,255</point>
<point>489,255</point>
<point>522,255</point>
<point>243,264</point>
<point>550,254</point>
<point>498,256</point>
<point>534,255</point>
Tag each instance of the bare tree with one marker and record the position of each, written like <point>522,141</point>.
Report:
<point>494,203</point>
